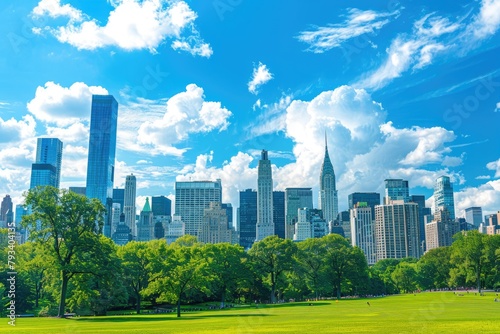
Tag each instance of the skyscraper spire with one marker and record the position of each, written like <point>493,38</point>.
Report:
<point>328,197</point>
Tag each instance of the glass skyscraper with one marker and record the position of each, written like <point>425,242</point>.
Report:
<point>46,171</point>
<point>102,148</point>
<point>396,190</point>
<point>443,195</point>
<point>247,219</point>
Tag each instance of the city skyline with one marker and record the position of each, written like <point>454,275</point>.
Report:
<point>407,93</point>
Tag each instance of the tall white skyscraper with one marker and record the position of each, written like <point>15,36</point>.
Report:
<point>129,203</point>
<point>328,196</point>
<point>363,230</point>
<point>191,200</point>
<point>265,221</point>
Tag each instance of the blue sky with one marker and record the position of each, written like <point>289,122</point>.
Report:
<point>403,90</point>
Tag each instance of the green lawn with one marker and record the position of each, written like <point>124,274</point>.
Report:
<point>423,313</point>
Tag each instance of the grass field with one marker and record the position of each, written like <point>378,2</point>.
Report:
<point>439,312</point>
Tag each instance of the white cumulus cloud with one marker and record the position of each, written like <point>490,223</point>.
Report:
<point>494,166</point>
<point>131,25</point>
<point>12,131</point>
<point>186,112</point>
<point>260,76</point>
<point>63,105</point>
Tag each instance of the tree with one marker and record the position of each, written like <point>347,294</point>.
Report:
<point>434,268</point>
<point>405,277</point>
<point>342,262</point>
<point>468,258</point>
<point>69,225</point>
<point>175,270</point>
<point>228,266</point>
<point>271,257</point>
<point>310,263</point>
<point>135,261</point>
<point>34,264</point>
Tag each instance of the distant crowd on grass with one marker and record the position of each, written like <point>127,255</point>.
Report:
<point>70,267</point>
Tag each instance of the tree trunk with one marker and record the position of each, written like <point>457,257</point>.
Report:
<point>179,307</point>
<point>138,308</point>
<point>338,291</point>
<point>62,300</point>
<point>37,294</point>
<point>478,279</point>
<point>273,288</point>
<point>223,299</point>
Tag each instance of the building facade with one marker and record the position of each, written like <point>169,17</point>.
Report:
<point>443,195</point>
<point>279,213</point>
<point>161,206</point>
<point>397,230</point>
<point>46,171</point>
<point>363,231</point>
<point>396,190</point>
<point>214,228</point>
<point>439,232</point>
<point>265,221</point>
<point>129,208</point>
<point>295,199</point>
<point>474,215</point>
<point>247,218</point>
<point>371,199</point>
<point>145,225</point>
<point>303,228</point>
<point>191,200</point>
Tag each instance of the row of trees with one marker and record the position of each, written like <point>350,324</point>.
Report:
<point>69,265</point>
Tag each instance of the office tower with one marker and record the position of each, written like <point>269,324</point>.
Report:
<point>420,200</point>
<point>344,222</point>
<point>175,229</point>
<point>319,225</point>
<point>279,213</point>
<point>474,215</point>
<point>79,190</point>
<point>363,230</point>
<point>440,231</point>
<point>122,235</point>
<point>295,198</point>
<point>229,213</point>
<point>161,206</point>
<point>492,223</point>
<point>303,228</point>
<point>396,190</point>
<point>443,195</point>
<point>129,203</point>
<point>371,199</point>
<point>214,227</point>
<point>116,211</point>
<point>247,218</point>
<point>46,171</point>
<point>119,197</point>
<point>397,230</point>
<point>192,198</point>
<point>102,148</point>
<point>145,227</point>
<point>5,209</point>
<point>265,221</point>
<point>328,196</point>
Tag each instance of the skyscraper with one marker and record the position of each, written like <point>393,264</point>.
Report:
<point>396,190</point>
<point>129,203</point>
<point>46,171</point>
<point>161,206</point>
<point>214,228</point>
<point>145,226</point>
<point>279,213</point>
<point>102,148</point>
<point>443,195</point>
<point>119,197</point>
<point>229,212</point>
<point>191,200</point>
<point>474,215</point>
<point>6,210</point>
<point>422,212</point>
<point>371,199</point>
<point>328,196</point>
<point>363,230</point>
<point>265,222</point>
<point>247,218</point>
<point>440,231</point>
<point>295,199</point>
<point>397,230</point>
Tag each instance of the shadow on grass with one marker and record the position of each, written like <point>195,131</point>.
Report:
<point>296,304</point>
<point>163,318</point>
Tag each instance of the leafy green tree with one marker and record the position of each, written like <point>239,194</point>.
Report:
<point>434,268</point>
<point>343,263</point>
<point>176,270</point>
<point>405,276</point>
<point>228,266</point>
<point>309,257</point>
<point>468,258</point>
<point>69,226</point>
<point>34,264</point>
<point>272,257</point>
<point>135,261</point>
<point>384,269</point>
